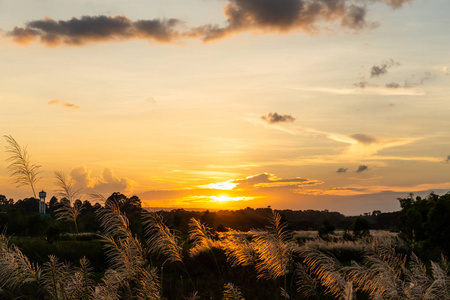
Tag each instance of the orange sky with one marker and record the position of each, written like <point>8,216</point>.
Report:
<point>231,104</point>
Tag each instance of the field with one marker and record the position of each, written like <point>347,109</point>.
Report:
<point>270,263</point>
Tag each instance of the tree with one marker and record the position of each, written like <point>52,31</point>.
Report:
<point>22,171</point>
<point>361,227</point>
<point>326,229</point>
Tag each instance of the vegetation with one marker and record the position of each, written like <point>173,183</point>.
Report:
<point>119,251</point>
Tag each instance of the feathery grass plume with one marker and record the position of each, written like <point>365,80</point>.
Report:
<point>149,286</point>
<point>15,268</point>
<point>201,236</point>
<point>284,294</point>
<point>55,277</point>
<point>128,273</point>
<point>113,221</point>
<point>108,289</point>
<point>232,292</point>
<point>440,288</point>
<point>275,249</point>
<point>193,296</point>
<point>383,273</point>
<point>238,249</point>
<point>67,210</point>
<point>22,171</point>
<point>81,283</point>
<point>306,284</point>
<point>327,269</point>
<point>160,239</point>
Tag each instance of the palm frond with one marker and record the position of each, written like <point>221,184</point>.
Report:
<point>22,171</point>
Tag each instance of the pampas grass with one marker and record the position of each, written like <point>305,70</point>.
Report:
<point>160,240</point>
<point>231,292</point>
<point>22,171</point>
<point>274,249</point>
<point>67,210</point>
<point>238,249</point>
<point>201,237</point>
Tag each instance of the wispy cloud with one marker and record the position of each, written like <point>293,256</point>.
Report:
<point>63,103</point>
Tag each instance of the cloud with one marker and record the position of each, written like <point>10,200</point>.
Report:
<point>63,103</point>
<point>273,118</point>
<point>447,160</point>
<point>283,16</point>
<point>396,3</point>
<point>362,168</point>
<point>392,85</point>
<point>270,180</point>
<point>382,68</point>
<point>280,16</point>
<point>94,29</point>
<point>364,138</point>
<point>341,170</point>
<point>362,84</point>
<point>415,80</point>
<point>444,70</point>
<point>107,182</point>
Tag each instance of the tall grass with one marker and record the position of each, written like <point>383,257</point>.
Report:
<point>22,170</point>
<point>68,210</point>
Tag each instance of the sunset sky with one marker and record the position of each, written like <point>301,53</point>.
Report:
<point>300,104</point>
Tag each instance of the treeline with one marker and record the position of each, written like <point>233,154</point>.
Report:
<point>22,217</point>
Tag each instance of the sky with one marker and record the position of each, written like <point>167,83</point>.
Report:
<point>226,104</point>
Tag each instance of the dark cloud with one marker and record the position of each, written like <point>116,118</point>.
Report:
<point>94,29</point>
<point>269,180</point>
<point>273,118</point>
<point>341,170</point>
<point>364,138</point>
<point>392,85</point>
<point>241,15</point>
<point>362,168</point>
<point>283,16</point>
<point>381,69</point>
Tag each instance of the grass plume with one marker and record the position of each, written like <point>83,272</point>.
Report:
<point>160,239</point>
<point>22,171</point>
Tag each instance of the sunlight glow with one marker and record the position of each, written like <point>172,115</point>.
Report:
<point>226,185</point>
<point>227,198</point>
